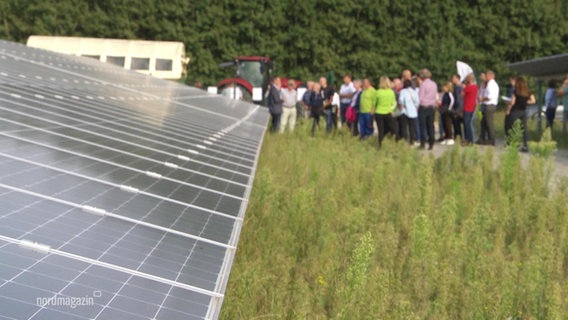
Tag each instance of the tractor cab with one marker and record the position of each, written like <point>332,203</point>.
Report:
<point>256,72</point>
<point>252,77</point>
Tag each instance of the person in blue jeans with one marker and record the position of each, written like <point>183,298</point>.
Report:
<point>551,103</point>
<point>469,94</point>
<point>327,95</point>
<point>365,125</point>
<point>307,99</point>
<point>367,102</point>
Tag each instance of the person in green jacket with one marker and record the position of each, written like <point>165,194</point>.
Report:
<point>385,106</point>
<point>366,105</point>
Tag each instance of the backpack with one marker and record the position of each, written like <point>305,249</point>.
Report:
<point>351,114</point>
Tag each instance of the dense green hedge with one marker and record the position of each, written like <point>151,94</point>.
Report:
<point>309,37</point>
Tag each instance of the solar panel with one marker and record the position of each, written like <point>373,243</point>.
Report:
<point>121,196</point>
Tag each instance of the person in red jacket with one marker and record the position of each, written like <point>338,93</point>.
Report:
<point>469,95</point>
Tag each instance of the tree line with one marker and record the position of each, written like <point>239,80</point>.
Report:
<point>308,38</point>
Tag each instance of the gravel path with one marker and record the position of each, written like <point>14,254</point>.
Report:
<point>560,165</point>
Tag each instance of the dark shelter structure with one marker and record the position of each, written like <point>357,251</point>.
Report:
<point>543,69</point>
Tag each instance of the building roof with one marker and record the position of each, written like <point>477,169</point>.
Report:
<point>543,68</point>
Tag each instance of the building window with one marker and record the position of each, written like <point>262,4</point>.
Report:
<point>140,64</point>
<point>91,56</point>
<point>117,61</point>
<point>164,65</point>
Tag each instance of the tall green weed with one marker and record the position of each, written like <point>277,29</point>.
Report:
<point>338,229</point>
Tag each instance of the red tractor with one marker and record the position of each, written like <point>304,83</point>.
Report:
<point>252,78</point>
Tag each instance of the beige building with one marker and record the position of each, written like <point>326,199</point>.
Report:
<point>162,59</point>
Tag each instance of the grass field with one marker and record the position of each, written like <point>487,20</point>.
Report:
<point>336,229</point>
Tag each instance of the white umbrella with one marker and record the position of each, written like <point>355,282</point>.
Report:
<point>463,70</point>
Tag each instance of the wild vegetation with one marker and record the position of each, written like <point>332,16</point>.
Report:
<point>557,134</point>
<point>337,229</point>
<point>310,37</point>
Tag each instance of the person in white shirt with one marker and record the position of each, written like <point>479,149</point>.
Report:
<point>345,94</point>
<point>289,115</point>
<point>490,99</point>
<point>335,108</point>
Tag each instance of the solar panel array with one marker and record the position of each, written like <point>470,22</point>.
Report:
<point>122,196</point>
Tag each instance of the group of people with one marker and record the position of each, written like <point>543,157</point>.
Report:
<point>405,107</point>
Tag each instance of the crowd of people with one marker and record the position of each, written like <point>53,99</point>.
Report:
<point>405,108</point>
